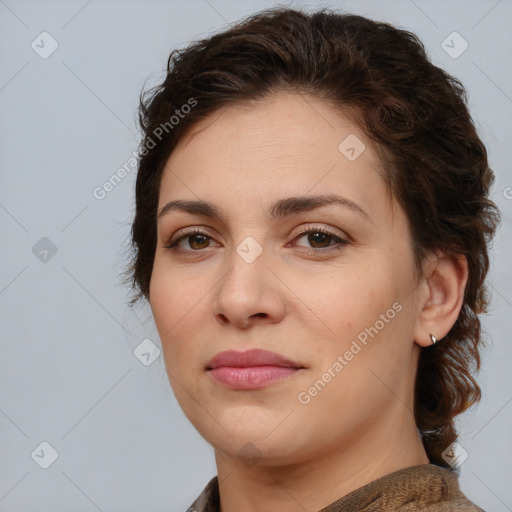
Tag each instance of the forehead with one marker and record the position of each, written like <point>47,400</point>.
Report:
<point>288,143</point>
<point>280,121</point>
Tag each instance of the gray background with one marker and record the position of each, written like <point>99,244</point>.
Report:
<point>68,373</point>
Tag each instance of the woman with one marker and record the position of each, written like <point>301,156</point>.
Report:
<point>311,232</point>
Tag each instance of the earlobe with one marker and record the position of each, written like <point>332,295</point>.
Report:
<point>446,284</point>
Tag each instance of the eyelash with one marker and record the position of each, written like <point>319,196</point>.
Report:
<point>312,251</point>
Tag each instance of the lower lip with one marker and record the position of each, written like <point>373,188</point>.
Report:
<point>252,377</point>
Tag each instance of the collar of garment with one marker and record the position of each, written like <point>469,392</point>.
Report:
<point>426,487</point>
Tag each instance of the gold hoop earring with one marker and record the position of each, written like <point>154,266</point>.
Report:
<point>433,338</point>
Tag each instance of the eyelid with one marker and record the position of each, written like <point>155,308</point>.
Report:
<point>323,229</point>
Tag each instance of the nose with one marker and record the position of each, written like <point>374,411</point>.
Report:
<point>249,293</point>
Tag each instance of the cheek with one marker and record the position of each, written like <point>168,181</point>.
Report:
<point>179,305</point>
<point>352,297</point>
<point>362,305</point>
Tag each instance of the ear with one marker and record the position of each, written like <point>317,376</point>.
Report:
<point>440,305</point>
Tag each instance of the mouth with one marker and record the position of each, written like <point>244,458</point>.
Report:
<point>251,369</point>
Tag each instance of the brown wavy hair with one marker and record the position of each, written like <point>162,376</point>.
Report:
<point>434,163</point>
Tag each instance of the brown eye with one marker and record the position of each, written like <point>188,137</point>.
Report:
<point>319,241</point>
<point>200,239</point>
<point>319,238</point>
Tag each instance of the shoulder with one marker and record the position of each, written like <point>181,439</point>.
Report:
<point>433,489</point>
<point>447,492</point>
<point>422,488</point>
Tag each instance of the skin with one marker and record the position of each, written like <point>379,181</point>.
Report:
<point>309,308</point>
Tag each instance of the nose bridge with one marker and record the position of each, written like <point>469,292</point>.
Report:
<point>247,289</point>
<point>247,268</point>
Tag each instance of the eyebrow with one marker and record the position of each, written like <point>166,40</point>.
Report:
<point>280,209</point>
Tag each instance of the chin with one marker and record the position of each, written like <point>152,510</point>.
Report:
<point>263,451</point>
<point>267,439</point>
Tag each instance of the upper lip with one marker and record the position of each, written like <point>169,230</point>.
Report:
<point>254,357</point>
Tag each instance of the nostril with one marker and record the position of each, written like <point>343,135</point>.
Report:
<point>223,319</point>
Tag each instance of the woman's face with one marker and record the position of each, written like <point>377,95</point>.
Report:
<point>330,286</point>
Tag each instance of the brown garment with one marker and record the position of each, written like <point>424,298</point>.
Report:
<point>425,487</point>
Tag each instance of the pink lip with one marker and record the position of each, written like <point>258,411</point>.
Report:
<point>254,357</point>
<point>250,369</point>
